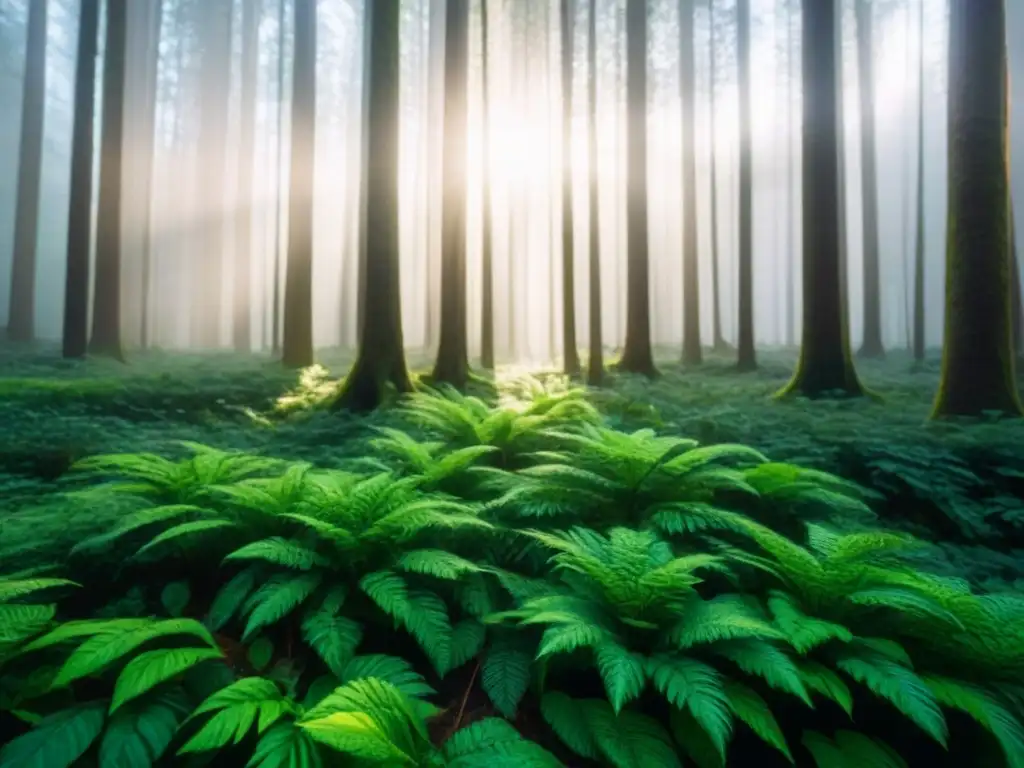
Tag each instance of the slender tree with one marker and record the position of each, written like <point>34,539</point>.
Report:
<point>716,290</point>
<point>76,282</point>
<point>275,277</point>
<point>919,246</point>
<point>452,364</point>
<point>826,365</point>
<point>977,353</point>
<point>106,315</point>
<point>692,354</point>
<point>571,355</point>
<point>381,357</point>
<point>487,214</point>
<point>22,306</point>
<point>790,254</point>
<point>241,330</point>
<point>637,356</point>
<point>297,335</point>
<point>153,15</point>
<point>746,357</point>
<point>595,365</point>
<point>872,346</point>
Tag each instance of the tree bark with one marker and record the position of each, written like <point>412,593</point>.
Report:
<point>381,358</point>
<point>826,365</point>
<point>22,306</point>
<point>570,354</point>
<point>746,357</point>
<point>919,246</point>
<point>242,321</point>
<point>692,353</point>
<point>148,168</point>
<point>637,356</point>
<point>76,282</point>
<point>716,290</point>
<point>297,335</point>
<point>275,310</point>
<point>977,353</point>
<point>595,365</point>
<point>487,300</point>
<point>106,315</point>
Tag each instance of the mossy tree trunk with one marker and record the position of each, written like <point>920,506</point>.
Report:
<point>452,364</point>
<point>22,305</point>
<point>871,346</point>
<point>297,335</point>
<point>381,358</point>
<point>241,326</point>
<point>746,357</point>
<point>637,355</point>
<point>692,354</point>
<point>487,259</point>
<point>571,358</point>
<point>106,314</point>
<point>76,281</point>
<point>595,365</point>
<point>977,351</point>
<point>826,365</point>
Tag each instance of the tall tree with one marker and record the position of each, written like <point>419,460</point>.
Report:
<point>872,345</point>
<point>746,357</point>
<point>22,307</point>
<point>919,246</point>
<point>487,302</point>
<point>826,364</point>
<point>595,365</point>
<point>637,355</point>
<point>106,314</point>
<point>275,277</point>
<point>977,352</point>
<point>790,252</point>
<point>571,364</point>
<point>241,326</point>
<point>452,364</point>
<point>692,354</point>
<point>76,281</point>
<point>381,357</point>
<point>719,341</point>
<point>297,335</point>
<point>153,14</point>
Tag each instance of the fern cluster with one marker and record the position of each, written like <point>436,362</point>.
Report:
<point>649,598</point>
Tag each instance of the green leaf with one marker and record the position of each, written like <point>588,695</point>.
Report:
<point>700,689</point>
<point>567,717</point>
<point>622,672</point>
<point>20,622</point>
<point>468,638</point>
<point>285,745</point>
<point>493,743</point>
<point>632,740</point>
<point>279,551</point>
<point>827,683</point>
<point>803,632</point>
<point>356,734</point>
<point>12,589</point>
<point>505,672</point>
<point>230,598</point>
<point>138,734</point>
<point>150,669</point>
<point>393,670</point>
<point>251,700</point>
<point>192,528</point>
<point>694,740</point>
<point>59,739</point>
<point>985,710</point>
<point>260,653</point>
<point>175,597</point>
<point>753,710</point>
<point>770,663</point>
<point>277,598</point>
<point>437,563</point>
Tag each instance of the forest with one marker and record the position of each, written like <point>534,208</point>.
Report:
<point>511,383</point>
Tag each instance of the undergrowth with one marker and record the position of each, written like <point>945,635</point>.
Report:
<point>532,582</point>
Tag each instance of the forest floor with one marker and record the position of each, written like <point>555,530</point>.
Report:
<point>960,486</point>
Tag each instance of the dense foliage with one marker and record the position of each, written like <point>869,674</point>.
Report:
<point>525,583</point>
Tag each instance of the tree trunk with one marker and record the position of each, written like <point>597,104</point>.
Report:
<point>148,168</point>
<point>381,358</point>
<point>790,264</point>
<point>275,311</point>
<point>569,351</point>
<point>691,286</point>
<point>76,283</point>
<point>977,353</point>
<point>297,335</point>
<point>1018,305</point>
<point>826,364</point>
<point>106,315</point>
<point>595,365</point>
<point>919,247</point>
<point>452,364</point>
<point>746,357</point>
<point>716,290</point>
<point>22,306</point>
<point>637,356</point>
<point>872,346</point>
<point>487,257</point>
<point>242,321</point>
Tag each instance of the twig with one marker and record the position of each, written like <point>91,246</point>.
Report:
<point>465,697</point>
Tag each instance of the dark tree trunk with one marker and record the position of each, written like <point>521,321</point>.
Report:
<point>242,321</point>
<point>1018,305</point>
<point>692,354</point>
<point>22,307</point>
<point>106,315</point>
<point>569,351</point>
<point>595,365</point>
<point>435,140</point>
<point>76,283</point>
<point>297,336</point>
<point>487,276</point>
<point>826,364</point>
<point>452,364</point>
<point>148,165</point>
<point>637,356</point>
<point>746,358</point>
<point>977,353</point>
<point>381,359</point>
<point>919,247</point>
<point>716,290</point>
<point>872,346</point>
